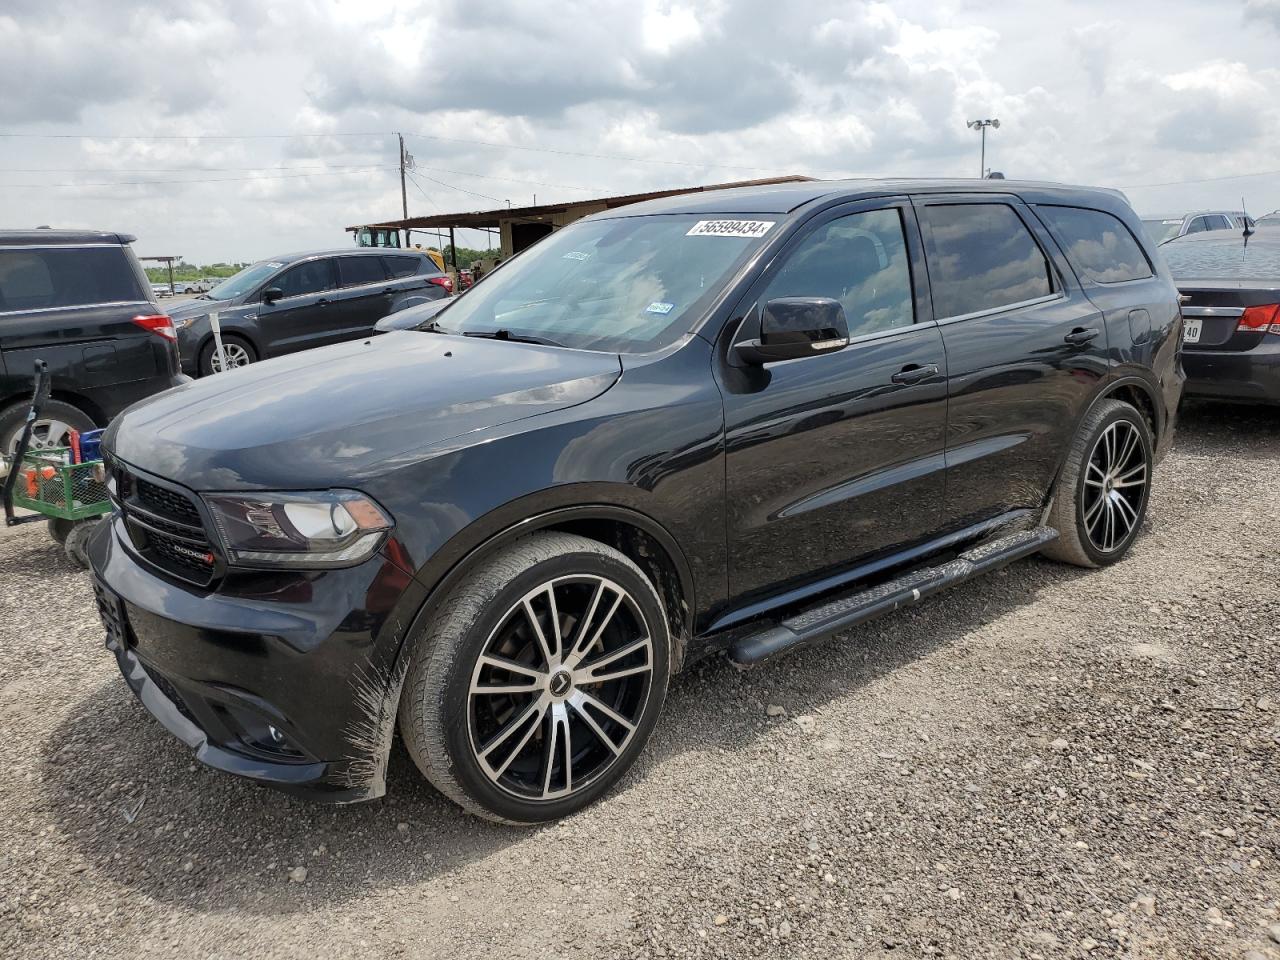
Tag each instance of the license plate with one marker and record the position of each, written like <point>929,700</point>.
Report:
<point>1191,329</point>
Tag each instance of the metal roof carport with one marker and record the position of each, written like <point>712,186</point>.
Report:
<point>519,227</point>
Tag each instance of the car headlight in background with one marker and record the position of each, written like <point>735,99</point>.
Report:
<point>186,322</point>
<point>326,528</point>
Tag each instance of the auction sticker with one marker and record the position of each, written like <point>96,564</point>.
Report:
<point>730,228</point>
<point>659,306</point>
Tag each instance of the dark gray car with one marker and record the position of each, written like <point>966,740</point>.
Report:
<point>290,303</point>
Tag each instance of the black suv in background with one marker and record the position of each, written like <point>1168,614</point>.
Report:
<point>79,301</point>
<point>302,300</point>
<point>736,421</point>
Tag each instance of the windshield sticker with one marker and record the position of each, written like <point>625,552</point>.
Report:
<point>659,307</point>
<point>1170,221</point>
<point>576,255</point>
<point>730,228</point>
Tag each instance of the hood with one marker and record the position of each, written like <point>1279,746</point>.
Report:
<point>194,308</point>
<point>332,416</point>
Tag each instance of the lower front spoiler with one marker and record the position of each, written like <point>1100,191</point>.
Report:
<point>314,781</point>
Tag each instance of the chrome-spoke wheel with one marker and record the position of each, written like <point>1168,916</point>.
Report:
<point>236,356</point>
<point>560,687</point>
<point>1115,486</point>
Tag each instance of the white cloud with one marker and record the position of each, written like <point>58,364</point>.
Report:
<point>1140,93</point>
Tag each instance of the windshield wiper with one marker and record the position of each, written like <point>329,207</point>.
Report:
<point>513,337</point>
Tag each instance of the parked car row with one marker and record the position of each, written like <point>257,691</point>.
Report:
<point>1163,229</point>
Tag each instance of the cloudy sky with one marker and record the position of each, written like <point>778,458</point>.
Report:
<point>224,130</point>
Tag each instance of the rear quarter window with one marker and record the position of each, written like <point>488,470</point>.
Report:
<point>51,277</point>
<point>1097,244</point>
<point>398,267</point>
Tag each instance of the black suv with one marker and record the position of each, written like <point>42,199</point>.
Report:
<point>735,421</point>
<point>302,300</point>
<point>79,301</point>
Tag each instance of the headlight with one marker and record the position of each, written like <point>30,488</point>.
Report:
<point>327,528</point>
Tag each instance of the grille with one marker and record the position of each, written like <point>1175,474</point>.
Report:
<point>167,503</point>
<point>165,527</point>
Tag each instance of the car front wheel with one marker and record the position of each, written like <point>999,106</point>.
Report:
<point>1101,496</point>
<point>539,681</point>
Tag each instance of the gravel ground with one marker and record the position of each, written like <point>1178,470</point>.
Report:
<point>1042,763</point>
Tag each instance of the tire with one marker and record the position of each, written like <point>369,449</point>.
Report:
<point>54,415</point>
<point>240,353</point>
<point>1099,504</point>
<point>77,541</point>
<point>445,720</point>
<point>59,529</point>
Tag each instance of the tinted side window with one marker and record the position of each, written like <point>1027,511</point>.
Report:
<point>982,257</point>
<point>860,260</point>
<point>310,277</point>
<point>1198,225</point>
<point>1220,222</point>
<point>405,266</point>
<point>1097,244</point>
<point>35,279</point>
<point>353,271</point>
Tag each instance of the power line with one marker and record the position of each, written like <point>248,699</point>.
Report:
<point>420,136</point>
<point>451,186</point>
<point>592,156</point>
<point>143,183</point>
<point>191,169</point>
<point>177,136</point>
<point>1178,183</point>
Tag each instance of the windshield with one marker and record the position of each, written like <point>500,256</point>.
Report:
<point>1161,230</point>
<point>244,281</point>
<point>628,285</point>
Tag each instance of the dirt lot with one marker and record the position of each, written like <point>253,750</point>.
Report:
<point>1042,763</point>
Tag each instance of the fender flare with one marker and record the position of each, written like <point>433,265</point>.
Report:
<point>439,586</point>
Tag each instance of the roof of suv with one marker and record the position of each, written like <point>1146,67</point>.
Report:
<point>786,197</point>
<point>286,258</point>
<point>70,238</point>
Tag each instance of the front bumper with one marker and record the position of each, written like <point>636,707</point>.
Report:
<point>308,655</point>
<point>1248,375</point>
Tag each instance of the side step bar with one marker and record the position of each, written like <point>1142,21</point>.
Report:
<point>850,609</point>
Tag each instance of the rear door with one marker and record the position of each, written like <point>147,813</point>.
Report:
<point>305,316</point>
<point>73,307</point>
<point>1026,351</point>
<point>836,458</point>
<point>1139,307</point>
<point>365,295</point>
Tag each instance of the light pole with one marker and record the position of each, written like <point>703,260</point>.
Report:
<point>982,125</point>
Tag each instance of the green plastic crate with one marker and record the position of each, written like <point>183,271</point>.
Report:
<point>70,491</point>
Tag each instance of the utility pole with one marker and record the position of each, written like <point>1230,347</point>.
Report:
<point>981,125</point>
<point>404,196</point>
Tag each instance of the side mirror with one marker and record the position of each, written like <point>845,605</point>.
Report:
<point>795,327</point>
<point>272,294</point>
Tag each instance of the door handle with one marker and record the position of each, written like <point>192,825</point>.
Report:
<point>323,301</point>
<point>389,290</point>
<point>914,373</point>
<point>1080,335</point>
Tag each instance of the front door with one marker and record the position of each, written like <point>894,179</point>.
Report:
<point>1026,351</point>
<point>302,316</point>
<point>836,458</point>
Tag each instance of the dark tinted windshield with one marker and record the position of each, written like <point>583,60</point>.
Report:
<point>244,281</point>
<point>37,278</point>
<point>1236,260</point>
<point>628,285</point>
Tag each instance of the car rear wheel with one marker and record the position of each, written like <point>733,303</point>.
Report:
<point>1101,496</point>
<point>53,429</point>
<point>539,681</point>
<point>238,351</point>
